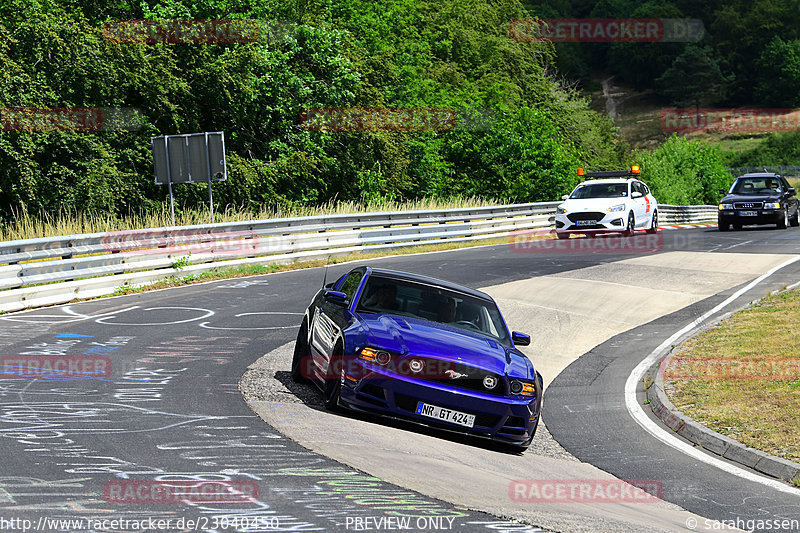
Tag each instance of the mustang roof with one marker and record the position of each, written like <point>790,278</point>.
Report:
<point>397,274</point>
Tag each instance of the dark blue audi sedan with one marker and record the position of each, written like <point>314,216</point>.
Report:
<point>419,349</point>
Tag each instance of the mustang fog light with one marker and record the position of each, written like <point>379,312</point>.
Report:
<point>416,366</point>
<point>383,358</point>
<point>490,382</point>
<point>516,387</point>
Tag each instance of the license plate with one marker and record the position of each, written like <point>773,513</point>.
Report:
<point>585,223</point>
<point>447,415</point>
<point>748,213</point>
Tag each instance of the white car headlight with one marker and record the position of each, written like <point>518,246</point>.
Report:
<point>772,205</point>
<point>614,208</point>
<point>725,206</point>
<point>561,210</point>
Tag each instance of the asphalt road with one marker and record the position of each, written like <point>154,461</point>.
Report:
<point>167,407</point>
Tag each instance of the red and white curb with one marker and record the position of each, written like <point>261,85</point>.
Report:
<point>687,226</point>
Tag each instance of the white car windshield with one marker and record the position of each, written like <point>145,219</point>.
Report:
<point>600,190</point>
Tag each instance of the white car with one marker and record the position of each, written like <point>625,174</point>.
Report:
<point>616,203</point>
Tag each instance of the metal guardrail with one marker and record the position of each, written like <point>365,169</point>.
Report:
<point>96,264</point>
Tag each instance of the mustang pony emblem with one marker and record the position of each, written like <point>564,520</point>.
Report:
<point>454,375</point>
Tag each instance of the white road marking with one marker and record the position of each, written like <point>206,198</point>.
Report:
<point>638,414</point>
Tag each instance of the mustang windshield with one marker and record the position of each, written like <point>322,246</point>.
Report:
<point>756,186</point>
<point>600,190</point>
<point>437,304</point>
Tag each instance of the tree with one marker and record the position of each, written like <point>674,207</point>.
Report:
<point>779,73</point>
<point>694,78</point>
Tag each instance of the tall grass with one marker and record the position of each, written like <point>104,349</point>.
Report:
<point>24,225</point>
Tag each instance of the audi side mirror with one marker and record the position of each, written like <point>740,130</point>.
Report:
<point>520,339</point>
<point>790,191</point>
<point>335,297</point>
<point>723,191</point>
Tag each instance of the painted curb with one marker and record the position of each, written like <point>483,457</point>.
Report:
<point>712,441</point>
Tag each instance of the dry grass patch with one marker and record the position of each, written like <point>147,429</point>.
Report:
<point>746,376</point>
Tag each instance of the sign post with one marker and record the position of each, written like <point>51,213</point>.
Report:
<point>189,158</point>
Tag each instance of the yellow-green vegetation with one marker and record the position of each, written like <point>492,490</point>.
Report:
<point>746,376</point>
<point>26,225</point>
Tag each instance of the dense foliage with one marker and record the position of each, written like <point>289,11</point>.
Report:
<point>755,44</point>
<point>681,172</point>
<point>333,53</point>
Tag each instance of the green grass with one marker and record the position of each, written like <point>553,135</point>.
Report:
<point>24,225</point>
<point>757,400</point>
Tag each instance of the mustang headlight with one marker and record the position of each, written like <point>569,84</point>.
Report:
<point>523,388</point>
<point>615,208</point>
<point>376,356</point>
<point>772,205</point>
<point>725,206</point>
<point>561,210</point>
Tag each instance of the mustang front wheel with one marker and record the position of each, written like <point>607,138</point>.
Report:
<point>301,354</point>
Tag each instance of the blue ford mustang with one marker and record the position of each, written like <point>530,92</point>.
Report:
<point>419,349</point>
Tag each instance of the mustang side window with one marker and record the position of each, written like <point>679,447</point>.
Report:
<point>351,284</point>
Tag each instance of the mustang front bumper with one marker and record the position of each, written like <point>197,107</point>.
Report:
<point>507,419</point>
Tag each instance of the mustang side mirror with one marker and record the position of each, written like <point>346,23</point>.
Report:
<point>335,297</point>
<point>520,338</point>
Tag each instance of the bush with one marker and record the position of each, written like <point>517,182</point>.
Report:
<point>682,172</point>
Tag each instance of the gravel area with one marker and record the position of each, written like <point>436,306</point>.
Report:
<point>268,380</point>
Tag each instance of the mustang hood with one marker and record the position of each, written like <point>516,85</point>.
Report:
<point>406,335</point>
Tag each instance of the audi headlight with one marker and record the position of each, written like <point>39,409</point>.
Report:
<point>615,208</point>
<point>561,210</point>
<point>725,206</point>
<point>772,205</point>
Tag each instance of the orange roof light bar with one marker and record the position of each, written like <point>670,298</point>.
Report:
<point>635,169</point>
<point>580,172</point>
